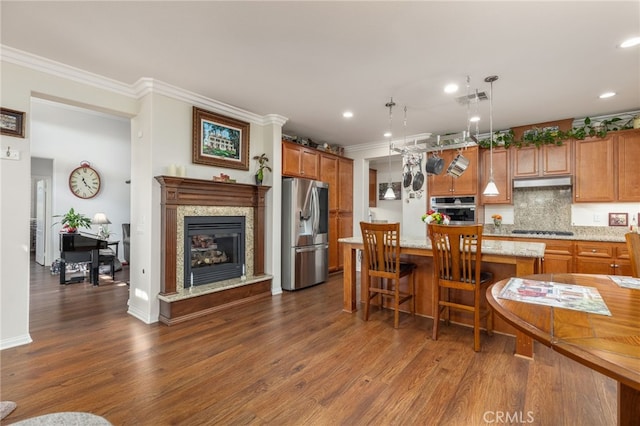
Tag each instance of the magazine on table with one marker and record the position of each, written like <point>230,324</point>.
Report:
<point>559,295</point>
<point>627,282</point>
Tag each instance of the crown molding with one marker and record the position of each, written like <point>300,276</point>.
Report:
<point>139,89</point>
<point>47,66</point>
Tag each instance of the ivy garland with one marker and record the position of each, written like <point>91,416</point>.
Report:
<point>539,137</point>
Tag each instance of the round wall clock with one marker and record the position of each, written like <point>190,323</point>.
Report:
<point>84,181</point>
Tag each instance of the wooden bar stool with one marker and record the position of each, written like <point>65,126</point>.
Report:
<point>382,264</point>
<point>457,252</point>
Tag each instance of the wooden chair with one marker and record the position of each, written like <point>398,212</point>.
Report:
<point>633,244</point>
<point>381,265</point>
<point>457,264</point>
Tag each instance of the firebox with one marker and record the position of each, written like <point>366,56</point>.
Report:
<point>214,249</point>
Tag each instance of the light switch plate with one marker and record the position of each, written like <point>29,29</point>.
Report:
<point>11,154</point>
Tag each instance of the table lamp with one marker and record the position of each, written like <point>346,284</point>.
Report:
<point>102,220</point>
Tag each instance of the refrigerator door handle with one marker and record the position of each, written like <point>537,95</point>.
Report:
<point>311,248</point>
<point>315,209</point>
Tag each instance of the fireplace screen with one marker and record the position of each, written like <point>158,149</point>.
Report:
<point>214,249</point>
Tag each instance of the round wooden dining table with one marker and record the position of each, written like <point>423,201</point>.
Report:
<point>607,344</point>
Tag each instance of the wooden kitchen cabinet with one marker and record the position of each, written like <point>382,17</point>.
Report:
<point>373,188</point>
<point>548,160</point>
<point>501,175</point>
<point>628,147</point>
<point>299,161</point>
<point>338,173</point>
<point>595,257</point>
<point>558,257</point>
<point>446,185</point>
<point>606,169</point>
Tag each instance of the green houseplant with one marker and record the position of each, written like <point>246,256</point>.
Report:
<point>262,165</point>
<point>73,220</point>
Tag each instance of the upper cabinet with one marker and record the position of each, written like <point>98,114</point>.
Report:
<point>501,175</point>
<point>549,160</point>
<point>606,169</point>
<point>446,185</point>
<point>299,161</point>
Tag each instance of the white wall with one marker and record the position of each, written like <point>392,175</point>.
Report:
<point>70,135</point>
<point>160,135</point>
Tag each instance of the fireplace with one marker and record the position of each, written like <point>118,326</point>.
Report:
<point>214,249</point>
<point>238,207</point>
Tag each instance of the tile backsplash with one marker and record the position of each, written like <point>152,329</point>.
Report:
<point>547,209</point>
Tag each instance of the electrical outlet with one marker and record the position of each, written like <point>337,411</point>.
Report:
<point>596,217</point>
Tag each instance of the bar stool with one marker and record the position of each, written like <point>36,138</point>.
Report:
<point>381,264</point>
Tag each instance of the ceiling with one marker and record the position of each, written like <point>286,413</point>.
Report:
<point>310,61</point>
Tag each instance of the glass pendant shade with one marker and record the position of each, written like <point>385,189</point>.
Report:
<point>389,194</point>
<point>491,190</point>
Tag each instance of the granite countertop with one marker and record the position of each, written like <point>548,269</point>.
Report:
<point>497,247</point>
<point>576,237</point>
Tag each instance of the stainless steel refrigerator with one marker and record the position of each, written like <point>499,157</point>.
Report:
<point>305,229</point>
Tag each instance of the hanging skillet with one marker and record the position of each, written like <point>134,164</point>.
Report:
<point>407,177</point>
<point>418,178</point>
<point>434,165</point>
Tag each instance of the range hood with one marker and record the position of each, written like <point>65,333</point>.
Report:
<point>542,182</point>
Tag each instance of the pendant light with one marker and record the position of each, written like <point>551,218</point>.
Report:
<point>389,194</point>
<point>491,190</point>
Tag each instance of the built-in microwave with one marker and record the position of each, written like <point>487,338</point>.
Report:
<point>461,210</point>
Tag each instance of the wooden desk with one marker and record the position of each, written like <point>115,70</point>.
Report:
<point>526,257</point>
<point>607,344</point>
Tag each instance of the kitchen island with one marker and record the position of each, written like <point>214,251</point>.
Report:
<point>503,258</point>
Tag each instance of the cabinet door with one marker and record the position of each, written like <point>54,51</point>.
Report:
<point>467,184</point>
<point>329,174</point>
<point>345,179</point>
<point>595,180</point>
<point>345,229</point>
<point>587,265</point>
<point>501,176</point>
<point>441,184</point>
<point>373,192</point>
<point>629,165</point>
<point>310,164</point>
<point>525,162</point>
<point>557,159</point>
<point>334,261</point>
<point>291,159</point>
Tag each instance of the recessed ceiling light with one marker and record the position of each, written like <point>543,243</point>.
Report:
<point>607,95</point>
<point>633,41</point>
<point>347,114</point>
<point>474,119</point>
<point>451,88</point>
<point>387,134</point>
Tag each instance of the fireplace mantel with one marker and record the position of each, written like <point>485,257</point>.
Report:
<point>181,191</point>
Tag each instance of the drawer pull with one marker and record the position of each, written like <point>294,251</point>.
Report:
<point>594,251</point>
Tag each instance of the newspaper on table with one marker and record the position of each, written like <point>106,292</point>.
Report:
<point>559,295</point>
<point>627,282</point>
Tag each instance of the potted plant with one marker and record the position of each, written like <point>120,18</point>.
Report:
<point>73,220</point>
<point>262,165</point>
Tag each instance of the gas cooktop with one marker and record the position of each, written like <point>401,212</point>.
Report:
<point>539,232</point>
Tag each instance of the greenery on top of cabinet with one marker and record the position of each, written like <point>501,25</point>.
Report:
<point>550,136</point>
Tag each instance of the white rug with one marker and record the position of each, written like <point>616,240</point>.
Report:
<point>65,419</point>
<point>6,407</point>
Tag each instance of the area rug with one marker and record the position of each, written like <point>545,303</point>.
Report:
<point>6,407</point>
<point>65,419</point>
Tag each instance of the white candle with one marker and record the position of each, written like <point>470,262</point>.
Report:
<point>171,170</point>
<point>181,171</point>
<point>243,269</point>
<point>192,279</point>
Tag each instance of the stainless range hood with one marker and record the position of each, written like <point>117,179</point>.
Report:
<point>542,182</point>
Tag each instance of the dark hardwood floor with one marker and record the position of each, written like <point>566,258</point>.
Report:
<point>293,359</point>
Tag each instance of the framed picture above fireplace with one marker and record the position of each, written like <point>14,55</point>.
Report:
<point>219,140</point>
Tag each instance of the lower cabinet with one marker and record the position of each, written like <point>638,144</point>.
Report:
<point>602,258</point>
<point>558,257</point>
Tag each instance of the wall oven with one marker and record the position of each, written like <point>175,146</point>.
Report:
<point>461,210</point>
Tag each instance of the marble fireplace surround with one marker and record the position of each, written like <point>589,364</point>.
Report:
<point>182,197</point>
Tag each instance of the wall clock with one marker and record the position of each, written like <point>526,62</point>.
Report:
<point>84,181</point>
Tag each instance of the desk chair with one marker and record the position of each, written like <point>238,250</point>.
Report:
<point>381,264</point>
<point>633,245</point>
<point>457,252</point>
